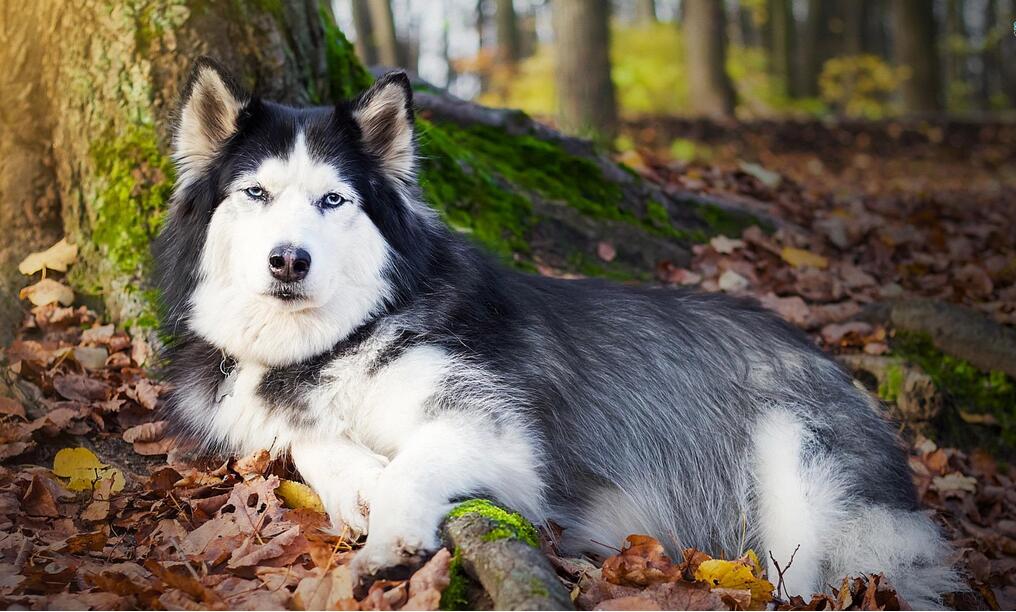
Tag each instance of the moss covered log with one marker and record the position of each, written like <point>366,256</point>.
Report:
<point>500,550</point>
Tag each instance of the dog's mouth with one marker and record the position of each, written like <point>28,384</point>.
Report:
<point>287,293</point>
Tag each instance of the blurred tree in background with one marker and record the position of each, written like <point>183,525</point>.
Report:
<point>867,59</point>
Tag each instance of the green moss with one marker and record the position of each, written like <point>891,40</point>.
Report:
<point>892,385</point>
<point>506,524</point>
<point>966,388</point>
<point>346,75</point>
<point>456,595</point>
<point>467,185</point>
<point>134,182</point>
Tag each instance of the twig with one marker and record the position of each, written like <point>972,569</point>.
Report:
<point>780,572</point>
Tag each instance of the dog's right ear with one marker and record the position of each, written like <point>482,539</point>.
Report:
<point>210,105</point>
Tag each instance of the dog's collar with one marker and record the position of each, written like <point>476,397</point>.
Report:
<point>229,370</point>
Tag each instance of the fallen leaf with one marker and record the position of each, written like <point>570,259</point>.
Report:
<point>256,464</point>
<point>39,500</point>
<point>953,482</point>
<point>642,561</point>
<point>56,257</point>
<point>79,388</point>
<point>323,592</point>
<point>427,584</point>
<point>11,407</point>
<point>737,575</point>
<point>84,470</point>
<point>732,282</point>
<point>606,251</point>
<point>298,495</point>
<point>725,245</point>
<point>47,291</point>
<point>800,258</point>
<point>146,432</point>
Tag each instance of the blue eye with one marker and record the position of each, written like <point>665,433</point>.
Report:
<point>333,200</point>
<point>255,193</point>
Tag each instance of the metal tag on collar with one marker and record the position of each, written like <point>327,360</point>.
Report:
<point>230,373</point>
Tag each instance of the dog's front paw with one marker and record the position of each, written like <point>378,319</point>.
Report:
<point>347,501</point>
<point>392,557</point>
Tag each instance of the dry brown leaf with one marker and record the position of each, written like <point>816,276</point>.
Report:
<point>427,584</point>
<point>146,432</point>
<point>641,562</point>
<point>56,257</point>
<point>324,591</point>
<point>11,407</point>
<point>79,388</point>
<point>254,464</point>
<point>47,291</point>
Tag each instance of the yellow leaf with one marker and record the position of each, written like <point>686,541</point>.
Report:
<point>69,460</point>
<point>84,470</point>
<point>738,575</point>
<point>56,257</point>
<point>800,258</point>
<point>298,495</point>
<point>47,291</point>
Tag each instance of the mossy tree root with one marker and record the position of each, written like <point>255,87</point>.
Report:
<point>954,330</point>
<point>500,550</point>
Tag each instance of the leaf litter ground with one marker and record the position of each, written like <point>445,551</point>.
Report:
<point>99,511</point>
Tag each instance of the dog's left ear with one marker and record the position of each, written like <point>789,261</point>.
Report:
<point>385,116</point>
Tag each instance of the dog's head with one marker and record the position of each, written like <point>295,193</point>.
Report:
<point>289,228</point>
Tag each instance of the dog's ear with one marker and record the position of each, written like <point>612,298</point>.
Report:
<point>210,104</point>
<point>385,116</point>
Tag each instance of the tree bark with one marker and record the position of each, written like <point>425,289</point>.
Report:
<point>645,12</point>
<point>782,36</point>
<point>585,91</point>
<point>508,47</point>
<point>705,37</point>
<point>915,46</point>
<point>383,25</point>
<point>365,48</point>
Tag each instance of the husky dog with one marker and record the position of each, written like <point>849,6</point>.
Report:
<point>321,309</point>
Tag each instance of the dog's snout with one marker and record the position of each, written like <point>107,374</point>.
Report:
<point>289,263</point>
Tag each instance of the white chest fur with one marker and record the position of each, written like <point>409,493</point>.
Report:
<point>352,397</point>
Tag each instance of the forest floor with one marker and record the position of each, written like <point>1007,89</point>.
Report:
<point>95,514</point>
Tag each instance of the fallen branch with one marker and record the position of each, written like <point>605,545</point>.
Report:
<point>500,550</point>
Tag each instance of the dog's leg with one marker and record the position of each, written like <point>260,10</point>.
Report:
<point>344,475</point>
<point>445,459</point>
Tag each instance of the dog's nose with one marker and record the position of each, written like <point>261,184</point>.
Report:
<point>289,263</point>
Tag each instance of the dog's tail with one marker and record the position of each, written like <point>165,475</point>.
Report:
<point>815,518</point>
<point>905,546</point>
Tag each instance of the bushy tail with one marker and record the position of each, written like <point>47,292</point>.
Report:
<point>904,546</point>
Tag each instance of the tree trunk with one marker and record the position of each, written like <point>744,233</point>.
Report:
<point>991,60</point>
<point>645,12</point>
<point>705,37</point>
<point>854,14</point>
<point>781,43</point>
<point>1007,48</point>
<point>508,48</point>
<point>810,56</point>
<point>88,95</point>
<point>383,24</point>
<point>365,48</point>
<point>586,99</point>
<point>915,47</point>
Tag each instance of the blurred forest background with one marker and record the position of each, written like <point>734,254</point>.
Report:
<point>597,65</point>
